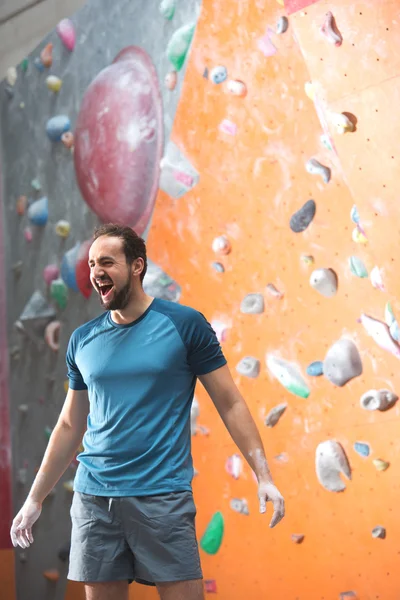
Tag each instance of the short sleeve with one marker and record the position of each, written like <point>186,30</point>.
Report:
<point>74,375</point>
<point>204,350</point>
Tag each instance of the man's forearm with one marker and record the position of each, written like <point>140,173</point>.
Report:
<point>244,432</point>
<point>61,449</point>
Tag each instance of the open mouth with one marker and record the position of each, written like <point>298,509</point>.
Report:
<point>105,290</point>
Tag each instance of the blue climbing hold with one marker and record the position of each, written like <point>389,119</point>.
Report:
<point>38,64</point>
<point>68,268</point>
<point>57,126</point>
<point>218,74</point>
<point>315,369</point>
<point>38,211</point>
<point>361,448</point>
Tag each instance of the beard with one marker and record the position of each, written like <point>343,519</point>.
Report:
<point>120,299</point>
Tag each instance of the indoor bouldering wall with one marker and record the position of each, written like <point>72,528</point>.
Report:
<point>60,109</point>
<point>288,245</point>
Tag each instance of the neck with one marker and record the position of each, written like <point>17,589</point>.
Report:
<point>138,304</point>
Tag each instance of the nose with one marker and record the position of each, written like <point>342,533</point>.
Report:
<point>97,272</point>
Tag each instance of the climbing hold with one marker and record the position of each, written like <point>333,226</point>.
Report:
<point>171,80</point>
<point>17,268</point>
<point>35,183</point>
<point>309,88</point>
<point>289,375</point>
<point>219,267</point>
<point>221,245</point>
<point>303,217</point>
<point>314,167</point>
<point>218,74</point>
<point>38,212</point>
<point>330,462</point>
<point>342,362</point>
<point>376,279</point>
<point>315,369</point>
<point>221,329</point>
<point>354,215</point>
<point>348,596</point>
<point>54,83</point>
<point>342,123</point>
<point>66,32</point>
<point>307,259</point>
<point>271,289</point>
<point>46,55</point>
<point>21,205</point>
<point>297,538</point>
<point>249,367</point>
<point>379,532</point>
<point>359,236</point>
<point>252,304</point>
<point>38,64</point>
<point>23,409</point>
<point>274,415</point>
<point>330,31</point>
<point>234,465</point>
<point>205,73</point>
<point>67,139</point>
<point>378,400</point>
<point>179,45</point>
<point>63,228</point>
<point>66,386</point>
<point>210,585</point>
<point>212,537</point>
<point>56,126</point>
<point>282,25</point>
<point>281,2</point>
<point>227,126</point>
<point>167,9</point>
<point>52,335</point>
<point>24,65</point>
<point>28,234</point>
<point>240,506</point>
<point>380,465</point>
<point>59,293</point>
<point>357,267</point>
<point>236,88</point>
<point>326,141</point>
<point>11,76</point>
<point>50,273</point>
<point>36,315</point>
<point>391,322</point>
<point>69,485</point>
<point>178,176</point>
<point>325,282</point>
<point>265,44</point>
<point>22,475</point>
<point>51,575</point>
<point>47,432</point>
<point>362,449</point>
<point>380,333</point>
<point>63,553</point>
<point>157,282</point>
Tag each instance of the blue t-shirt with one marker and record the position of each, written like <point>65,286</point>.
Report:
<point>140,379</point>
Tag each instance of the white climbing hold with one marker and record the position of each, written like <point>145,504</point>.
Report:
<point>324,281</point>
<point>342,123</point>
<point>314,167</point>
<point>376,279</point>
<point>249,367</point>
<point>275,414</point>
<point>330,462</point>
<point>380,333</point>
<point>378,399</point>
<point>289,375</point>
<point>379,532</point>
<point>11,76</point>
<point>342,362</point>
<point>252,304</point>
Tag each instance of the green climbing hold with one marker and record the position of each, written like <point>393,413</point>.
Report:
<point>179,44</point>
<point>47,432</point>
<point>289,375</point>
<point>59,293</point>
<point>212,538</point>
<point>24,65</point>
<point>167,9</point>
<point>357,267</point>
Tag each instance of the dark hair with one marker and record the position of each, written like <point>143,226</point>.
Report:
<point>134,246</point>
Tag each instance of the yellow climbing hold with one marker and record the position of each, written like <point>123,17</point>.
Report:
<point>54,83</point>
<point>63,228</point>
<point>381,465</point>
<point>281,2</point>
<point>310,90</point>
<point>307,259</point>
<point>359,237</point>
<point>69,485</point>
<point>66,386</point>
<point>342,123</point>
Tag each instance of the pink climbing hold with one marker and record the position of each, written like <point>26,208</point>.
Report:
<point>66,32</point>
<point>265,44</point>
<point>330,31</point>
<point>380,333</point>
<point>50,273</point>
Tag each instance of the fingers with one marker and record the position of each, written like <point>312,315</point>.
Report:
<point>263,505</point>
<point>279,512</point>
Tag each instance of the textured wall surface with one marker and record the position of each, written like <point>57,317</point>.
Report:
<point>240,163</point>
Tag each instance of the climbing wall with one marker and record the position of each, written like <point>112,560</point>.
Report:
<point>268,106</point>
<point>49,206</point>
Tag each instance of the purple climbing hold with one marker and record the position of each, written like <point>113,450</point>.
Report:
<point>303,217</point>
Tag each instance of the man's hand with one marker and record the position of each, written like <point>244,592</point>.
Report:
<point>267,492</point>
<point>21,529</point>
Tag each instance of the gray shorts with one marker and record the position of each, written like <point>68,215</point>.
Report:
<point>149,539</point>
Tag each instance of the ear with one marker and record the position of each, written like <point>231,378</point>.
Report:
<point>137,267</point>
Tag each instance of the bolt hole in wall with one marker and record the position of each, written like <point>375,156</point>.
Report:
<point>326,403</point>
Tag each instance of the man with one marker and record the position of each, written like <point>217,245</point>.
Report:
<point>132,373</point>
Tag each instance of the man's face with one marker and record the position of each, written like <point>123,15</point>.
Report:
<point>110,275</point>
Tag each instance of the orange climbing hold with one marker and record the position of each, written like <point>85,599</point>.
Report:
<point>21,205</point>
<point>52,575</point>
<point>46,55</point>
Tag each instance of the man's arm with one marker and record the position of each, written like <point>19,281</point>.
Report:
<point>64,442</point>
<point>237,418</point>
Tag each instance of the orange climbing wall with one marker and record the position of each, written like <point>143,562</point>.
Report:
<point>250,185</point>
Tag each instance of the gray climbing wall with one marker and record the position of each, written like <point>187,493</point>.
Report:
<point>38,373</point>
